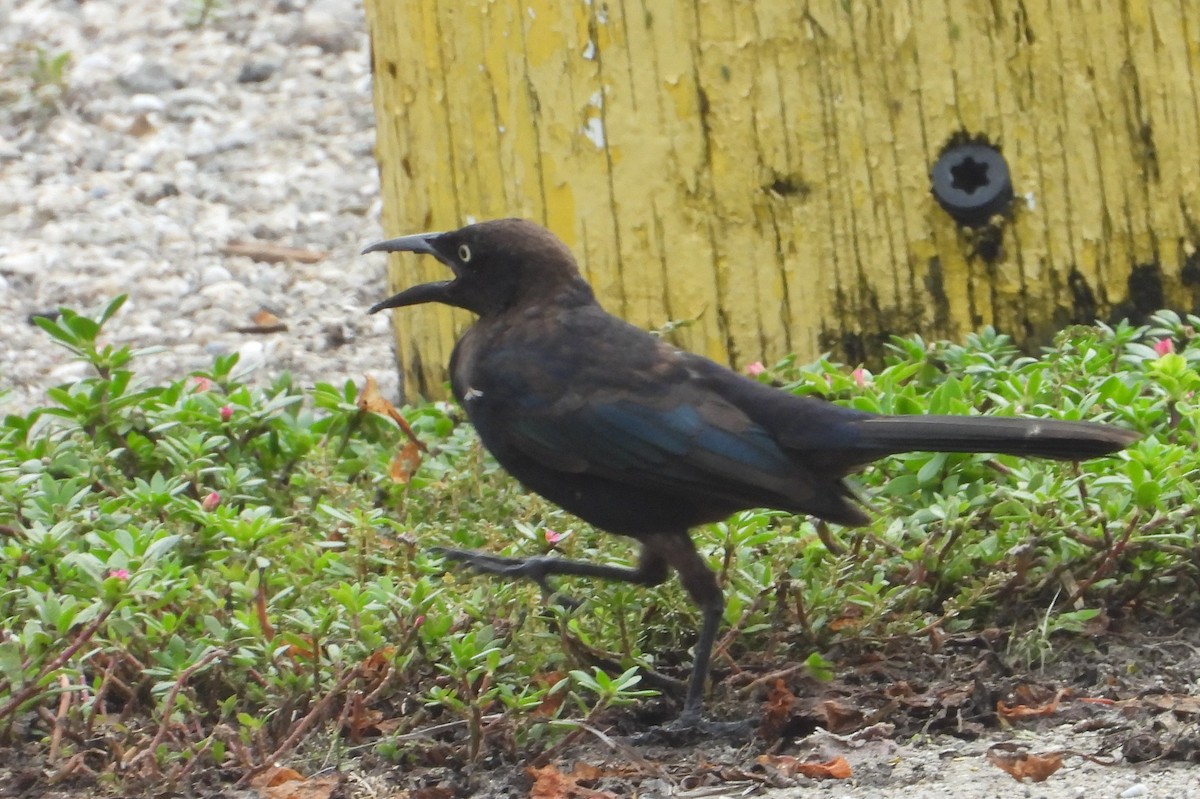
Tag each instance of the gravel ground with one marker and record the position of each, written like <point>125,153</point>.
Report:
<point>168,141</point>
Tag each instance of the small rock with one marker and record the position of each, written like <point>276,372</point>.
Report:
<point>251,354</point>
<point>191,104</point>
<point>153,189</point>
<point>256,71</point>
<point>170,287</point>
<point>145,103</point>
<point>150,78</point>
<point>1135,790</point>
<point>329,26</point>
<point>337,335</point>
<point>381,324</point>
<point>8,151</point>
<point>214,274</point>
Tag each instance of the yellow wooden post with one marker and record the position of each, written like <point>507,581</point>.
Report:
<point>763,167</point>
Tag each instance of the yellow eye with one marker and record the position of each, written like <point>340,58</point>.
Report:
<point>464,253</point>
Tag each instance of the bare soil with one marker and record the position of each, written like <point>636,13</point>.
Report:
<point>1116,715</point>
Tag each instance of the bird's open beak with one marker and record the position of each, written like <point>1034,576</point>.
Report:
<point>425,292</point>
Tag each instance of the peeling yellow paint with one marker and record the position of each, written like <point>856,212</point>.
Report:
<point>764,167</point>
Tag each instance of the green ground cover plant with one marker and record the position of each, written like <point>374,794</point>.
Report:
<point>202,575</point>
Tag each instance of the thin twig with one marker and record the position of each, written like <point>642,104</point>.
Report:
<point>438,729</point>
<point>31,690</point>
<point>169,705</point>
<point>64,703</point>
<point>181,771</point>
<point>625,750</point>
<point>378,691</point>
<point>722,647</point>
<point>1110,558</point>
<point>72,768</point>
<point>302,726</point>
<point>771,677</point>
<point>101,695</point>
<point>574,735</point>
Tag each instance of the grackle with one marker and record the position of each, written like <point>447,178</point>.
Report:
<point>645,440</point>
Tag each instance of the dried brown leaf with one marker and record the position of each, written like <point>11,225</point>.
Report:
<point>263,321</point>
<point>371,400</point>
<point>837,769</point>
<point>553,699</point>
<point>375,666</point>
<point>408,459</point>
<point>850,621</point>
<point>275,775</point>
<point>1022,765</point>
<point>319,787</point>
<point>550,783</point>
<point>280,782</point>
<point>777,711</point>
<point>305,650</point>
<point>1183,705</point>
<point>841,717</point>
<point>1014,712</point>
<point>361,722</point>
<point>406,462</point>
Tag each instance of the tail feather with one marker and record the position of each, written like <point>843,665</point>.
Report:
<point>1040,438</point>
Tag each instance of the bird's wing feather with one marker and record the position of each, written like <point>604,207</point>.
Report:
<point>703,444</point>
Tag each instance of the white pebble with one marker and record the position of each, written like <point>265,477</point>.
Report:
<point>145,103</point>
<point>214,274</point>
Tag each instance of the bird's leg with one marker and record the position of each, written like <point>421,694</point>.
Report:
<point>702,657</point>
<point>702,586</point>
<point>651,568</point>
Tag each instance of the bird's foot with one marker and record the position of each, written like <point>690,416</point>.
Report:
<point>484,562</point>
<point>535,568</point>
<point>692,727</point>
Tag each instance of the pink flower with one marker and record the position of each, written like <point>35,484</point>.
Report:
<point>119,574</point>
<point>210,502</point>
<point>553,537</point>
<point>201,383</point>
<point>418,621</point>
<point>226,413</point>
<point>1164,346</point>
<point>861,376</point>
<point>754,369</point>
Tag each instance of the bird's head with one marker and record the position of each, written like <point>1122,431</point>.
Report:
<point>497,265</point>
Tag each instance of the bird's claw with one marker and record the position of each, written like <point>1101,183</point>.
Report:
<point>481,561</point>
<point>534,568</point>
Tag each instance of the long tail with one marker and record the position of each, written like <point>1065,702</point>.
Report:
<point>1041,438</point>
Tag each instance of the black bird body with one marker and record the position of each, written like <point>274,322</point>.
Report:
<point>658,443</point>
<point>645,440</point>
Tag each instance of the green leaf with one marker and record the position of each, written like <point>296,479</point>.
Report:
<point>84,329</point>
<point>10,661</point>
<point>112,308</point>
<point>57,331</point>
<point>160,547</point>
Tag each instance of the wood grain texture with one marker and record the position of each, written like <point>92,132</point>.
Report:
<point>763,168</point>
